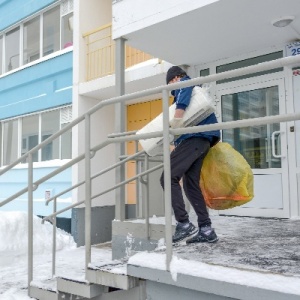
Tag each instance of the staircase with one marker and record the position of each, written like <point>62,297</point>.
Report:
<point>106,276</point>
<point>104,279</point>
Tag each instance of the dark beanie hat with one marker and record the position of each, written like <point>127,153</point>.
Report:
<point>173,72</point>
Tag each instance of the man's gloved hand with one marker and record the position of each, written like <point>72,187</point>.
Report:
<point>176,123</point>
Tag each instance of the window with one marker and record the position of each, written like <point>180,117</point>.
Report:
<point>253,142</point>
<point>67,31</point>
<point>204,72</point>
<point>44,33</point>
<point>66,144</point>
<point>249,62</point>
<point>51,31</point>
<point>1,52</point>
<point>12,49</point>
<point>35,129</point>
<point>31,40</point>
<point>30,135</point>
<point>10,141</point>
<point>50,125</point>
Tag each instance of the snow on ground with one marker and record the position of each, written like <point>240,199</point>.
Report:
<point>70,260</point>
<point>251,251</point>
<point>13,252</point>
<point>285,284</point>
<point>259,252</point>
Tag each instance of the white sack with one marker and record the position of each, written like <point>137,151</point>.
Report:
<point>200,107</point>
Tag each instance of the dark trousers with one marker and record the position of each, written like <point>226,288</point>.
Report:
<point>186,163</point>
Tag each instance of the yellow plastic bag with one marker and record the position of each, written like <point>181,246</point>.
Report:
<point>226,178</point>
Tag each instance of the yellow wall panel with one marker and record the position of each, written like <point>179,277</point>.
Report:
<point>130,169</point>
<point>156,108</point>
<point>138,115</point>
<point>131,193</point>
<point>131,147</point>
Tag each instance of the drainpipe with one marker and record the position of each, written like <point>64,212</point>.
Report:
<point>120,125</point>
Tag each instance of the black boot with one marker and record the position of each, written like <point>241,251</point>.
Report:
<point>205,235</point>
<point>183,230</point>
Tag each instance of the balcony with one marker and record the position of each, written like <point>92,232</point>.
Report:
<point>100,51</point>
<point>154,27</point>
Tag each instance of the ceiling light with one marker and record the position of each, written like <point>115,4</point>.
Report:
<point>283,21</point>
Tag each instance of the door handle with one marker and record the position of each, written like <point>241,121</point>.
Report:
<point>276,133</point>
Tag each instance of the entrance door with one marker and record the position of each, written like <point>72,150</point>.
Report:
<point>264,146</point>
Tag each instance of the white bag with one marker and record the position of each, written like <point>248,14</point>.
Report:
<point>200,107</point>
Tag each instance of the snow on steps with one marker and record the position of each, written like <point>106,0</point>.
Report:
<point>113,274</point>
<point>66,288</point>
<point>83,289</point>
<point>102,275</point>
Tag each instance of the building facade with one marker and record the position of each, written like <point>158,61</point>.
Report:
<point>61,59</point>
<point>46,82</point>
<point>36,61</point>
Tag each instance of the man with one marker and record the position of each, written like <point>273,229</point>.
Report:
<point>186,163</point>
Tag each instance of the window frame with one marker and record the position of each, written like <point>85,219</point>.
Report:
<point>20,137</point>
<point>20,24</point>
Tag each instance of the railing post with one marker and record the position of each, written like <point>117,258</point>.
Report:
<point>120,125</point>
<point>30,221</point>
<point>54,237</point>
<point>167,179</point>
<point>137,184</point>
<point>88,191</point>
<point>146,196</point>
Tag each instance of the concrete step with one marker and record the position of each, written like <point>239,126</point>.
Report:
<point>113,275</point>
<point>80,288</point>
<point>67,290</point>
<point>42,294</point>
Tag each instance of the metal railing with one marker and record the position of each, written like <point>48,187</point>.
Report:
<point>124,137</point>
<point>100,56</point>
<point>139,175</point>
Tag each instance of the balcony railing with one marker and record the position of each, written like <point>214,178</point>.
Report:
<point>101,53</point>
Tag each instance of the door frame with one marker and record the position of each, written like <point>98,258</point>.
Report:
<point>252,84</point>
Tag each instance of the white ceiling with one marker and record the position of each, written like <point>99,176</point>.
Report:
<point>223,29</point>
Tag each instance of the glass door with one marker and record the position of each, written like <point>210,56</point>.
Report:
<point>263,146</point>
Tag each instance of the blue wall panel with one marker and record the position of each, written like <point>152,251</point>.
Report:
<point>44,85</point>
<point>16,179</point>
<point>13,11</point>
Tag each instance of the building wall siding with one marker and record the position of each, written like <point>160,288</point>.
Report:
<point>12,11</point>
<point>16,179</point>
<point>39,87</point>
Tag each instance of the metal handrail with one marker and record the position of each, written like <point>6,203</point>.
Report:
<point>128,158</point>
<point>164,89</point>
<point>49,217</point>
<point>52,217</point>
<point>195,81</point>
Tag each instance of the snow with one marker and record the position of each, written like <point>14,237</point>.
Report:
<point>216,262</point>
<point>13,252</point>
<point>285,284</point>
<point>13,256</point>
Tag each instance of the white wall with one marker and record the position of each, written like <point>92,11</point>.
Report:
<point>102,123</point>
<point>89,15</point>
<point>146,13</point>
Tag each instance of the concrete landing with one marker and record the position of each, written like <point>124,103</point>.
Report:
<point>268,245</point>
